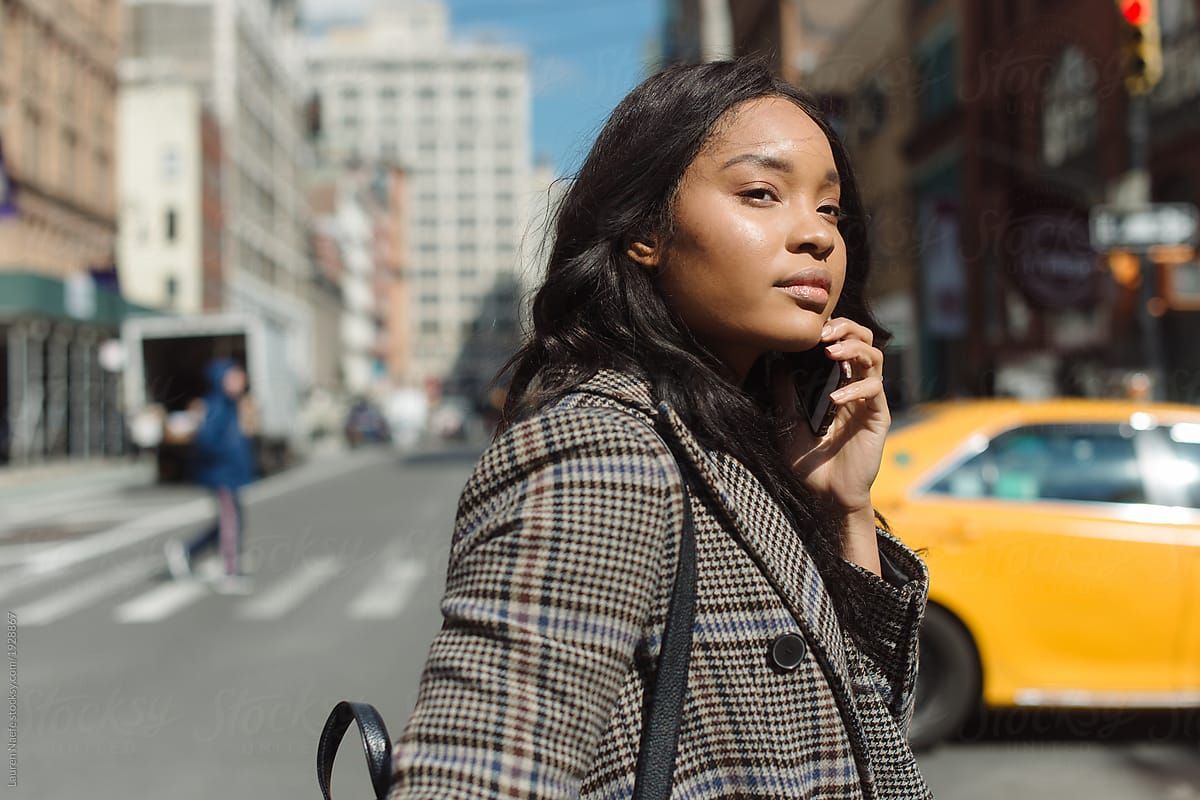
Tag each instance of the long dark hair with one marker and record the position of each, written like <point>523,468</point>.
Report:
<point>598,309</point>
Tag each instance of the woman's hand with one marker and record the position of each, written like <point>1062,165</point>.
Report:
<point>843,464</point>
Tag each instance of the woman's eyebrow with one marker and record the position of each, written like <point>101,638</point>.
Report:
<point>761,159</point>
<point>779,165</point>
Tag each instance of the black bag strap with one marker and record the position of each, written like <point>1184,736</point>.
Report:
<point>663,711</point>
<point>660,726</point>
<point>375,741</point>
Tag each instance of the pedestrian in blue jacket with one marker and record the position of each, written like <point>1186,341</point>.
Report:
<point>223,461</point>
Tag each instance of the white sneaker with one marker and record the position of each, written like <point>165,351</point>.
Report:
<point>233,584</point>
<point>177,560</point>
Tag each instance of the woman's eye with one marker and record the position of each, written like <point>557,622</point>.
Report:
<point>759,193</point>
<point>834,211</point>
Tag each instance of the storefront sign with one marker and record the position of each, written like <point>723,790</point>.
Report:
<point>1054,265</point>
<point>1144,227</point>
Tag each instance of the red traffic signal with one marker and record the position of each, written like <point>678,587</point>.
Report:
<point>1141,46</point>
<point>1135,12</point>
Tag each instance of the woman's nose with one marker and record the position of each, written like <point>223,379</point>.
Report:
<point>813,234</point>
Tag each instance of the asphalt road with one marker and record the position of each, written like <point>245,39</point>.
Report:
<point>131,685</point>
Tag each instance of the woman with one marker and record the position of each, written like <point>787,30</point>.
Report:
<point>709,189</point>
<point>223,461</point>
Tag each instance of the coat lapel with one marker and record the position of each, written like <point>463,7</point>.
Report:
<point>754,518</point>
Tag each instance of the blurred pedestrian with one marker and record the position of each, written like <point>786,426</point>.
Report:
<point>223,461</point>
<point>714,226</point>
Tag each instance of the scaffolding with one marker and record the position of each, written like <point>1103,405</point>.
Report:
<point>57,401</point>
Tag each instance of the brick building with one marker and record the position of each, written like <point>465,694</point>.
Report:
<point>1021,129</point>
<point>866,84</point>
<point>57,229</point>
<point>983,134</point>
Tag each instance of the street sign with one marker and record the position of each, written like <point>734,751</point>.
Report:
<point>1144,227</point>
<point>1180,270</point>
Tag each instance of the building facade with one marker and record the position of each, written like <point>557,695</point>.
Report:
<point>456,116</point>
<point>791,36</point>
<point>392,279</point>
<point>983,134</point>
<point>358,228</point>
<point>241,57</point>
<point>169,244</point>
<point>1022,128</point>
<point>57,229</point>
<point>866,84</point>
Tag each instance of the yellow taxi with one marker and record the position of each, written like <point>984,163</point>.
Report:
<point>1063,544</point>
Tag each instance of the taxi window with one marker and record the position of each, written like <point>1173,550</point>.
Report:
<point>1185,448</point>
<point>1088,463</point>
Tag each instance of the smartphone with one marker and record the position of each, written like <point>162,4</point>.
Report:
<point>814,378</point>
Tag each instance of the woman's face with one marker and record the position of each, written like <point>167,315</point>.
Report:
<point>757,208</point>
<point>234,382</point>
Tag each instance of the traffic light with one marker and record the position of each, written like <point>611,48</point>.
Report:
<point>1142,46</point>
<point>1126,268</point>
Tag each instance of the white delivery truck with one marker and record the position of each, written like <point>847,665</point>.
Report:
<point>165,361</point>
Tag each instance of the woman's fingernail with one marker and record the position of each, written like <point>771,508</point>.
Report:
<point>826,331</point>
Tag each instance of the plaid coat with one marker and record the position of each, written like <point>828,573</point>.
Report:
<point>560,572</point>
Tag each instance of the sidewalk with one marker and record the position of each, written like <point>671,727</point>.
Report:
<point>87,476</point>
<point>68,477</point>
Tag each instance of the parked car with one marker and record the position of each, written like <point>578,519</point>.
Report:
<point>365,424</point>
<point>1063,543</point>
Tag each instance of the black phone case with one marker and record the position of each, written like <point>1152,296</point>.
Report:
<point>812,371</point>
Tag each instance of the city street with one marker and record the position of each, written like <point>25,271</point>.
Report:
<point>131,685</point>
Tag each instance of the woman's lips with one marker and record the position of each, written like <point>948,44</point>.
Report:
<point>813,296</point>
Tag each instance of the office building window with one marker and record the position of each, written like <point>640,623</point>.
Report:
<point>171,225</point>
<point>937,77</point>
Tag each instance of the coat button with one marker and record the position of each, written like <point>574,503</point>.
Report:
<point>787,652</point>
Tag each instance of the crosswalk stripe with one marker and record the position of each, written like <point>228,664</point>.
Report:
<point>386,596</point>
<point>160,602</point>
<point>289,592</point>
<point>86,592</point>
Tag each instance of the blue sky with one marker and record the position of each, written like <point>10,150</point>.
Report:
<point>585,56</point>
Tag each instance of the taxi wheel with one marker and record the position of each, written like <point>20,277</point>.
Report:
<point>948,682</point>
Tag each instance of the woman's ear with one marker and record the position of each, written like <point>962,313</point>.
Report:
<point>643,253</point>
